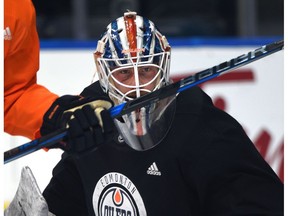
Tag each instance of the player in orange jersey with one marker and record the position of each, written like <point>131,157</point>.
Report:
<point>25,101</point>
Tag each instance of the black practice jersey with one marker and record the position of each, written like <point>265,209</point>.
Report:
<point>205,165</point>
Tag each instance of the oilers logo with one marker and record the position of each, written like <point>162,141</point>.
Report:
<point>116,195</point>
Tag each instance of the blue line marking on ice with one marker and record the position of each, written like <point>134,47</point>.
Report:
<point>174,42</point>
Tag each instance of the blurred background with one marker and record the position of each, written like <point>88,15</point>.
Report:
<point>202,34</point>
<point>87,19</point>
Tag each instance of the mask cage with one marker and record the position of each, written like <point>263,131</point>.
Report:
<point>107,67</point>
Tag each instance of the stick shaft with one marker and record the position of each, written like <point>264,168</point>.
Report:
<point>34,145</point>
<point>153,97</point>
<point>197,78</point>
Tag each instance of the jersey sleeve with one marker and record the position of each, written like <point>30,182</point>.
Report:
<point>25,102</point>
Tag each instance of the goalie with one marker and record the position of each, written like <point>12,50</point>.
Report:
<point>178,156</point>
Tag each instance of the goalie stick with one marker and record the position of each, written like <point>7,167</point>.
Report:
<point>172,89</point>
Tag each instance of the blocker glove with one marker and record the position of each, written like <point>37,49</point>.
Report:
<point>87,120</point>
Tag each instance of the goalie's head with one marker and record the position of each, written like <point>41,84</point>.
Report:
<point>133,59</point>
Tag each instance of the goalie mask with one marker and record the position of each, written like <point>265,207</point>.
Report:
<point>133,59</point>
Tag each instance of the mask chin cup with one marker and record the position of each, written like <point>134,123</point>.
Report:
<point>145,128</point>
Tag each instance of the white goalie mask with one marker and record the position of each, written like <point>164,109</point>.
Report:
<point>132,59</point>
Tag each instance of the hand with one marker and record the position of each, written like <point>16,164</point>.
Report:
<point>89,128</point>
<point>87,119</point>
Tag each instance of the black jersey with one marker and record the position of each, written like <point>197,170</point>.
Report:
<point>206,165</point>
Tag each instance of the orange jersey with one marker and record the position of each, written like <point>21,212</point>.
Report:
<point>25,102</point>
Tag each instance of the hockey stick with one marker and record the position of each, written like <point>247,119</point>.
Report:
<point>153,97</point>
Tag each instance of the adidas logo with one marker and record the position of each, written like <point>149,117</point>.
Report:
<point>153,170</point>
<point>7,34</point>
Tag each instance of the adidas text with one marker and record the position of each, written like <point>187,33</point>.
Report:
<point>153,172</point>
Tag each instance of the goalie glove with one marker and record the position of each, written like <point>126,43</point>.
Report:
<point>87,120</point>
<point>28,200</point>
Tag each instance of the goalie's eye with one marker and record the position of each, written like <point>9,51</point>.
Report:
<point>123,74</point>
<point>147,73</point>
